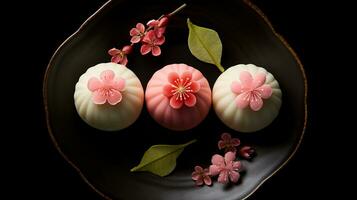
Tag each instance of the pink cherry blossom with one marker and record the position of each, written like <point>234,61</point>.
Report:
<point>151,43</point>
<point>228,143</point>
<point>137,33</point>
<point>226,167</point>
<point>201,176</point>
<point>120,56</point>
<point>159,26</point>
<point>251,91</point>
<point>107,88</point>
<point>181,90</point>
<point>246,152</point>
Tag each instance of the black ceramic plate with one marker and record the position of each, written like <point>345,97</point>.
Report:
<point>104,159</point>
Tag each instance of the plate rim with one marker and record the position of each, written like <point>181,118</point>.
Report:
<point>255,9</point>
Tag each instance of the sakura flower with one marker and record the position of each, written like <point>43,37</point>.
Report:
<point>246,152</point>
<point>137,33</point>
<point>107,88</point>
<point>201,176</point>
<point>151,43</point>
<point>226,167</point>
<point>181,90</point>
<point>120,56</point>
<point>159,26</point>
<point>228,143</point>
<point>250,91</point>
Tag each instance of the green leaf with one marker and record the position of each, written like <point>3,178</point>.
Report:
<point>205,44</point>
<point>161,159</point>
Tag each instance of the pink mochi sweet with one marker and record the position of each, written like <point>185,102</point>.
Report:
<point>178,97</point>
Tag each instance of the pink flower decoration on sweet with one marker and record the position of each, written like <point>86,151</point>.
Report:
<point>251,91</point>
<point>181,90</point>
<point>107,88</point>
<point>120,56</point>
<point>226,167</point>
<point>228,143</point>
<point>151,43</point>
<point>201,176</point>
<point>137,33</point>
<point>246,152</point>
<point>159,26</point>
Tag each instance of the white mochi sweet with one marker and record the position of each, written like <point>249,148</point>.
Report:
<point>104,115</point>
<point>249,118</point>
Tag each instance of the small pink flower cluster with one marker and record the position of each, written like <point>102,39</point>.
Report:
<point>150,37</point>
<point>226,167</point>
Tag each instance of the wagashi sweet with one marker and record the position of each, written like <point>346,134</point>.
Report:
<point>109,97</point>
<point>246,98</point>
<point>178,97</point>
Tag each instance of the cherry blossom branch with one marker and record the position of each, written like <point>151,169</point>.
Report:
<point>151,38</point>
<point>177,10</point>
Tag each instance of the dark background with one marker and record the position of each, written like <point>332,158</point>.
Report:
<point>42,173</point>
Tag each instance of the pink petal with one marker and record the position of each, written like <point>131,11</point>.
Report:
<point>246,155</point>
<point>246,80</point>
<point>195,87</point>
<point>198,169</point>
<point>134,31</point>
<point>259,80</point>
<point>236,87</point>
<point>94,84</point>
<point>175,102</point>
<point>234,176</point>
<point>207,180</point>
<point>163,22</point>
<point>124,61</point>
<point>145,49</point>
<point>235,141</point>
<point>135,39</point>
<point>223,177</point>
<point>167,90</point>
<point>113,51</point>
<point>246,152</point>
<point>221,144</point>
<point>237,165</point>
<point>190,101</point>
<point>256,103</point>
<point>195,176</point>
<point>152,23</point>
<point>173,78</point>
<point>217,160</point>
<point>127,49</point>
<point>206,171</point>
<point>140,27</point>
<point>265,91</point>
<point>243,100</point>
<point>199,181</point>
<point>160,32</point>
<point>226,136</point>
<point>214,170</point>
<point>115,97</point>
<point>149,37</point>
<point>159,41</point>
<point>186,76</point>
<point>98,97</point>
<point>116,59</point>
<point>156,51</point>
<point>229,156</point>
<point>119,84</point>
<point>107,75</point>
